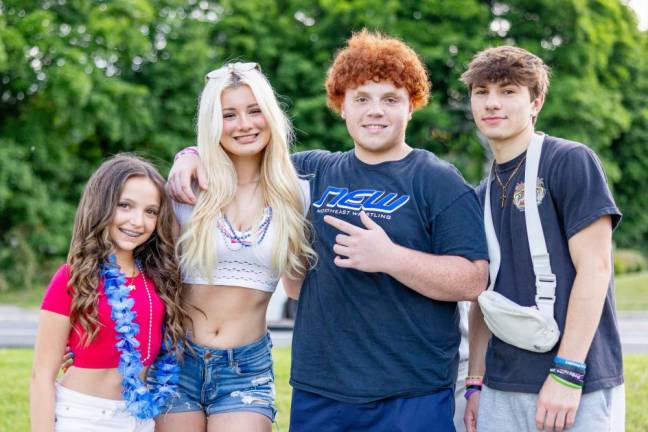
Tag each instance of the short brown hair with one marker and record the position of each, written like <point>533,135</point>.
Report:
<point>508,64</point>
<point>371,56</point>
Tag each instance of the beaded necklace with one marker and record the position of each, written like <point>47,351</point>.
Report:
<point>237,241</point>
<point>150,317</point>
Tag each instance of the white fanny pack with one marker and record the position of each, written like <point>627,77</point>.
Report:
<point>532,328</point>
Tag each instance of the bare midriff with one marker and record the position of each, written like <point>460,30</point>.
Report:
<point>229,316</point>
<point>103,383</point>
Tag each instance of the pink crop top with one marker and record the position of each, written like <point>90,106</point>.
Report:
<point>102,353</point>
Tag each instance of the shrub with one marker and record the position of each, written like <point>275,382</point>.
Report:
<point>629,261</point>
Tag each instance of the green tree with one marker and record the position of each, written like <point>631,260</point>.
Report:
<point>68,98</point>
<point>598,93</point>
<point>82,80</point>
<point>631,153</point>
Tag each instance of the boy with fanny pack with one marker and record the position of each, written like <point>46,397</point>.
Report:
<point>554,360</point>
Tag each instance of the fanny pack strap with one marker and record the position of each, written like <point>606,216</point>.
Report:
<point>545,279</point>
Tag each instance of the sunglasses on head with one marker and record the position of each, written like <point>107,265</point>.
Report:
<point>231,68</point>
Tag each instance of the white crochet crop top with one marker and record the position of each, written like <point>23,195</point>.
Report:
<point>248,267</point>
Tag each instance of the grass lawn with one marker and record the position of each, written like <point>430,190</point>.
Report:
<point>632,292</point>
<point>27,298</point>
<point>15,370</point>
<point>15,367</point>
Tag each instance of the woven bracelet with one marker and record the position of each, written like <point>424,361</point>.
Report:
<point>185,151</point>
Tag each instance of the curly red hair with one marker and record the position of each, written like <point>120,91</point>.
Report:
<point>371,56</point>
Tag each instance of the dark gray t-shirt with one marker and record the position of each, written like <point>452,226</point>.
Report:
<point>361,337</point>
<point>573,193</point>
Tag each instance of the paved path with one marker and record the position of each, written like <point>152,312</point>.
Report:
<point>18,329</point>
<point>633,327</point>
<point>17,326</point>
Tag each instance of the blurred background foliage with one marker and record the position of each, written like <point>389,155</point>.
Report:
<point>81,80</point>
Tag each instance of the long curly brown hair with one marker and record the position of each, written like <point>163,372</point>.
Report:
<point>91,246</point>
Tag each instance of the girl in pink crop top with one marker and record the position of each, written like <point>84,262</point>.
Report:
<point>102,352</point>
<point>110,303</point>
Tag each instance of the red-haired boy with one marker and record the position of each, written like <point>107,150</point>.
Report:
<point>400,240</point>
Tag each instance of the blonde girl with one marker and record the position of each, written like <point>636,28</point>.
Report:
<point>243,233</point>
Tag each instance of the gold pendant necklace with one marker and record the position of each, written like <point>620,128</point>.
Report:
<point>504,185</point>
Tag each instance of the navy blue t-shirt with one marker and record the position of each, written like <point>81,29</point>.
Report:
<point>361,337</point>
<point>573,193</point>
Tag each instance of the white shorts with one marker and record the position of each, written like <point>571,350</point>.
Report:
<point>79,412</point>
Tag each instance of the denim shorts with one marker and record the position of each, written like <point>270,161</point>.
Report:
<point>214,380</point>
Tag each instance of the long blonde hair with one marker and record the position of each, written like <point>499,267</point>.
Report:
<point>278,179</point>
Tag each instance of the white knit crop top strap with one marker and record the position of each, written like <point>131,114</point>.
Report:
<point>244,257</point>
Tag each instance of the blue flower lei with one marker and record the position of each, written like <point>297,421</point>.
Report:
<point>143,401</point>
